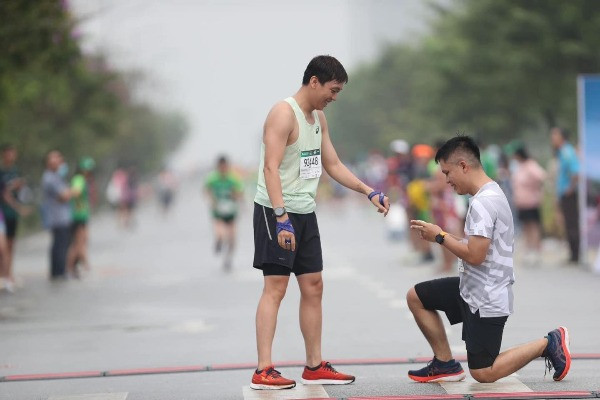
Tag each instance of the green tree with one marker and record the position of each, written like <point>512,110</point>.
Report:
<point>501,69</point>
<point>52,96</point>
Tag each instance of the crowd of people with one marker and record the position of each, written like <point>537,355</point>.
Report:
<point>418,189</point>
<point>65,211</point>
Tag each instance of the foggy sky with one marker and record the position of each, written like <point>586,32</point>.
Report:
<point>223,64</point>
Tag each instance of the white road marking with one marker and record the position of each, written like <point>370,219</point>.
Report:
<point>398,303</point>
<point>299,392</point>
<point>95,396</point>
<point>192,326</point>
<point>469,385</point>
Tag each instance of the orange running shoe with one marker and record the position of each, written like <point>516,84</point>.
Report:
<point>270,379</point>
<point>325,374</point>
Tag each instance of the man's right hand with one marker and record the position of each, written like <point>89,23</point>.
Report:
<point>285,236</point>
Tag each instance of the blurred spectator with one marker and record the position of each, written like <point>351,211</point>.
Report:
<point>489,157</point>
<point>6,283</point>
<point>527,185</point>
<point>80,204</point>
<point>446,208</point>
<point>376,170</point>
<point>419,205</point>
<point>121,192</point>
<point>11,184</point>
<point>400,171</point>
<point>566,187</point>
<point>57,210</point>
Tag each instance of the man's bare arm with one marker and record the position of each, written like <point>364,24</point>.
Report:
<point>278,127</point>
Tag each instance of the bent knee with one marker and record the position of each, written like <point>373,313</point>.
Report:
<point>412,299</point>
<point>484,375</point>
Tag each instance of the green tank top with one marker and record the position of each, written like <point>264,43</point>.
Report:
<point>300,167</point>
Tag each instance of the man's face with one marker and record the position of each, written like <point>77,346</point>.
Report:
<point>455,174</point>
<point>556,139</point>
<point>55,159</point>
<point>325,93</point>
<point>223,167</point>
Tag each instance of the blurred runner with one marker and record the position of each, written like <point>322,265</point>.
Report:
<point>225,191</point>
<point>80,206</point>
<point>166,187</point>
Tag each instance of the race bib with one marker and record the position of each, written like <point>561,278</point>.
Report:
<point>226,207</point>
<point>310,164</point>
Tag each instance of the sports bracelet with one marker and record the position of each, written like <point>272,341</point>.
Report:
<point>375,193</point>
<point>285,226</point>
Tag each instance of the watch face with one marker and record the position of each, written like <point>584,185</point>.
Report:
<point>279,211</point>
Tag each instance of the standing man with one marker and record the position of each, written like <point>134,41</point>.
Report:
<point>481,297</point>
<point>57,211</point>
<point>296,146</point>
<point>11,182</point>
<point>566,187</point>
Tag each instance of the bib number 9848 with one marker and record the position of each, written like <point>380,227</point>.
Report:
<point>310,164</point>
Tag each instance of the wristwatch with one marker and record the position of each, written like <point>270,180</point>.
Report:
<point>440,237</point>
<point>279,211</point>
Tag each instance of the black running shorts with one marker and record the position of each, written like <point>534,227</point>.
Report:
<point>483,336</point>
<point>272,259</point>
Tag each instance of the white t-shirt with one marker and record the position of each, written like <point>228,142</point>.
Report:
<point>488,287</point>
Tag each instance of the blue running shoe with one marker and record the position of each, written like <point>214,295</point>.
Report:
<point>438,371</point>
<point>557,353</point>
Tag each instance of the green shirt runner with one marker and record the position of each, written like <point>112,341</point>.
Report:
<point>81,203</point>
<point>223,188</point>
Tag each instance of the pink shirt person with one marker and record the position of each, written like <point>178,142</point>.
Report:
<point>527,183</point>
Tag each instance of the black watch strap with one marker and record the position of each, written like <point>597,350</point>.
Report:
<point>440,237</point>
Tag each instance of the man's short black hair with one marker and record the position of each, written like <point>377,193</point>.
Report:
<point>222,159</point>
<point>522,153</point>
<point>461,143</point>
<point>325,68</point>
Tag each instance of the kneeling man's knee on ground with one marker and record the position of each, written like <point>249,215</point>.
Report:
<point>483,375</point>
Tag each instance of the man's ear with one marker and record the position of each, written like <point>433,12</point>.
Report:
<point>463,166</point>
<point>314,81</point>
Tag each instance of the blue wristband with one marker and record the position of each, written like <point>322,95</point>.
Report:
<point>375,193</point>
<point>285,226</point>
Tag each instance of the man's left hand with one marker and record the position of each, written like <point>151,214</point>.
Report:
<point>382,207</point>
